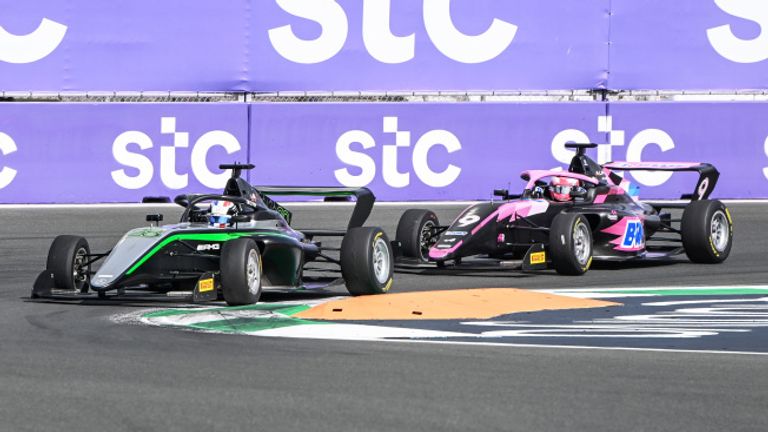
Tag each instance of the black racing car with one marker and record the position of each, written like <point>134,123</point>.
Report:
<point>581,214</point>
<point>231,245</point>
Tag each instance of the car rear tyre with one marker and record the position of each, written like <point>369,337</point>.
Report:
<point>707,231</point>
<point>366,261</point>
<point>415,233</point>
<point>68,261</point>
<point>240,266</point>
<point>570,244</point>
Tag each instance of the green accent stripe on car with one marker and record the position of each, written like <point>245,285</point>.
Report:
<point>213,237</point>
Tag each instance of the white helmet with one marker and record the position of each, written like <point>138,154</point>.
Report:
<point>220,213</point>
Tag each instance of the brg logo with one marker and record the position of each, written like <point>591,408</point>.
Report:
<point>144,165</point>
<point>390,172</point>
<point>33,46</point>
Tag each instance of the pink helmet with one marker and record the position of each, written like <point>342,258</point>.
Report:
<point>560,188</point>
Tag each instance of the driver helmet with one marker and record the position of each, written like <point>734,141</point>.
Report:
<point>220,213</point>
<point>560,188</point>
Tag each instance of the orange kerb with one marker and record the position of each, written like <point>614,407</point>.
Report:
<point>451,304</point>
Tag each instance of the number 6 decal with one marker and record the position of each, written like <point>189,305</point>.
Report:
<point>469,219</point>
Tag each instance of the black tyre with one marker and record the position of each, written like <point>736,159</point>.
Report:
<point>367,264</point>
<point>68,260</point>
<point>240,266</point>
<point>707,231</point>
<point>415,233</point>
<point>570,244</point>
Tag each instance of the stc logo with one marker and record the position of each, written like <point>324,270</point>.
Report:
<point>7,146</point>
<point>734,48</point>
<point>617,138</point>
<point>381,44</point>
<point>31,47</point>
<point>765,149</point>
<point>170,178</point>
<point>390,172</point>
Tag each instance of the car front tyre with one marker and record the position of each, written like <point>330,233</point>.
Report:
<point>68,261</point>
<point>415,233</point>
<point>240,266</point>
<point>570,244</point>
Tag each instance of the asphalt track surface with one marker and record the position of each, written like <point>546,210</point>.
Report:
<point>68,366</point>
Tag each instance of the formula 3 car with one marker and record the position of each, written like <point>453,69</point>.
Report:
<point>229,246</point>
<point>580,215</point>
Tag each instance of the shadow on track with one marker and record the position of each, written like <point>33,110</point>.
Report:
<point>144,300</point>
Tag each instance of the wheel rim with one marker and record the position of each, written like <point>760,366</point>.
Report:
<point>425,239</point>
<point>582,247</point>
<point>79,275</point>
<point>381,260</point>
<point>720,231</point>
<point>253,272</point>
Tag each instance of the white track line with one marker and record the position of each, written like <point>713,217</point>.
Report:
<point>580,347</point>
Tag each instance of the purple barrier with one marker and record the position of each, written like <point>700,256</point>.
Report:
<point>415,151</point>
<point>85,153</point>
<point>731,136</point>
<point>68,153</point>
<point>429,45</point>
<point>180,45</point>
<point>689,44</point>
<point>280,45</point>
<point>463,151</point>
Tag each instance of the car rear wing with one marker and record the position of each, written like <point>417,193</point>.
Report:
<point>364,199</point>
<point>708,174</point>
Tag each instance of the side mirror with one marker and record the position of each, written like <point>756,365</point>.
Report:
<point>241,218</point>
<point>502,193</point>
<point>154,218</point>
<point>578,192</point>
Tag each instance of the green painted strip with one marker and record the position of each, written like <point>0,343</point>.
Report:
<point>250,325</point>
<point>216,237</point>
<point>690,291</point>
<point>283,309</point>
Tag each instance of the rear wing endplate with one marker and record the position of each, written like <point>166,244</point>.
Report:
<point>708,174</point>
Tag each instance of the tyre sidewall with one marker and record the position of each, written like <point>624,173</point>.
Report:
<point>233,267</point>
<point>561,245</point>
<point>697,231</point>
<point>61,259</point>
<point>409,229</point>
<point>357,261</point>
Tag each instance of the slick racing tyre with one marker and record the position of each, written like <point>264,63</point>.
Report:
<point>415,233</point>
<point>68,261</point>
<point>570,244</point>
<point>707,231</point>
<point>240,266</point>
<point>367,264</point>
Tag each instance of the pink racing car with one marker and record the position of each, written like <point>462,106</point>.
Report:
<point>566,219</point>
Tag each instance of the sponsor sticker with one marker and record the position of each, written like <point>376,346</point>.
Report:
<point>634,235</point>
<point>205,285</point>
<point>456,233</point>
<point>538,257</point>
